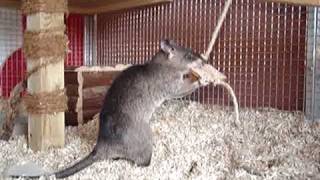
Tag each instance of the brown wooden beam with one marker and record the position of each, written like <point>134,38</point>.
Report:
<point>100,6</point>
<point>92,7</point>
<point>10,3</point>
<point>103,7</point>
<point>297,2</point>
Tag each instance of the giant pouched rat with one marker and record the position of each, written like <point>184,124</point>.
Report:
<point>124,131</point>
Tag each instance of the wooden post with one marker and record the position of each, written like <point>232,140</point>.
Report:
<point>45,129</point>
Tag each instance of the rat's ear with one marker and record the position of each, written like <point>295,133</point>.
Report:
<point>165,46</point>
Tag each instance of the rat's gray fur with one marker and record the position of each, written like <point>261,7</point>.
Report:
<point>124,131</point>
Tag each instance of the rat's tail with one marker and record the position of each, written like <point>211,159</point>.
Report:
<point>87,161</point>
<point>31,170</point>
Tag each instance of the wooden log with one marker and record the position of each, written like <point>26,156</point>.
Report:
<point>71,77</point>
<point>97,91</point>
<point>93,79</point>
<point>90,98</point>
<point>45,130</point>
<point>100,6</point>
<point>93,7</point>
<point>94,97</point>
<point>72,90</point>
<point>10,3</point>
<point>71,118</point>
<point>88,114</point>
<point>96,78</point>
<point>89,78</point>
<point>71,84</point>
<point>93,103</point>
<point>72,103</point>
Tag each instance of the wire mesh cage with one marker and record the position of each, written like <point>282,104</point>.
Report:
<point>75,32</point>
<point>261,48</point>
<point>12,63</point>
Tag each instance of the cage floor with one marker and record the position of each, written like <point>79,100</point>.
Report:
<point>192,141</point>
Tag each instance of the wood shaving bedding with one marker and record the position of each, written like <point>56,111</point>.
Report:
<point>194,141</point>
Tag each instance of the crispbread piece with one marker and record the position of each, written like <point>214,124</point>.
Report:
<point>208,74</point>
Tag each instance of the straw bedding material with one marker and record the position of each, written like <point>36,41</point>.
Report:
<point>192,141</point>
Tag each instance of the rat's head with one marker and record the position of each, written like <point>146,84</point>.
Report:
<point>179,56</point>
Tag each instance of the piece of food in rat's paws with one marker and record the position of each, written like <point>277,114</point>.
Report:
<point>192,76</point>
<point>207,74</point>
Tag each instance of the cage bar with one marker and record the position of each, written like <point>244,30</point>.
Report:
<point>312,89</point>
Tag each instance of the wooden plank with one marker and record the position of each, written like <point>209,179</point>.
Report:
<point>71,85</point>
<point>72,103</point>
<point>93,103</point>
<point>80,99</point>
<point>88,114</point>
<point>71,77</point>
<point>98,91</point>
<point>72,90</point>
<point>297,2</point>
<point>93,79</point>
<point>71,118</point>
<point>91,7</point>
<point>45,130</point>
<point>10,3</point>
<point>105,6</point>
<point>70,68</point>
<point>100,6</point>
<point>90,3</point>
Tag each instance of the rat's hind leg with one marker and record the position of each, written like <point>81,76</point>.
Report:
<point>136,146</point>
<point>138,143</point>
<point>127,139</point>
